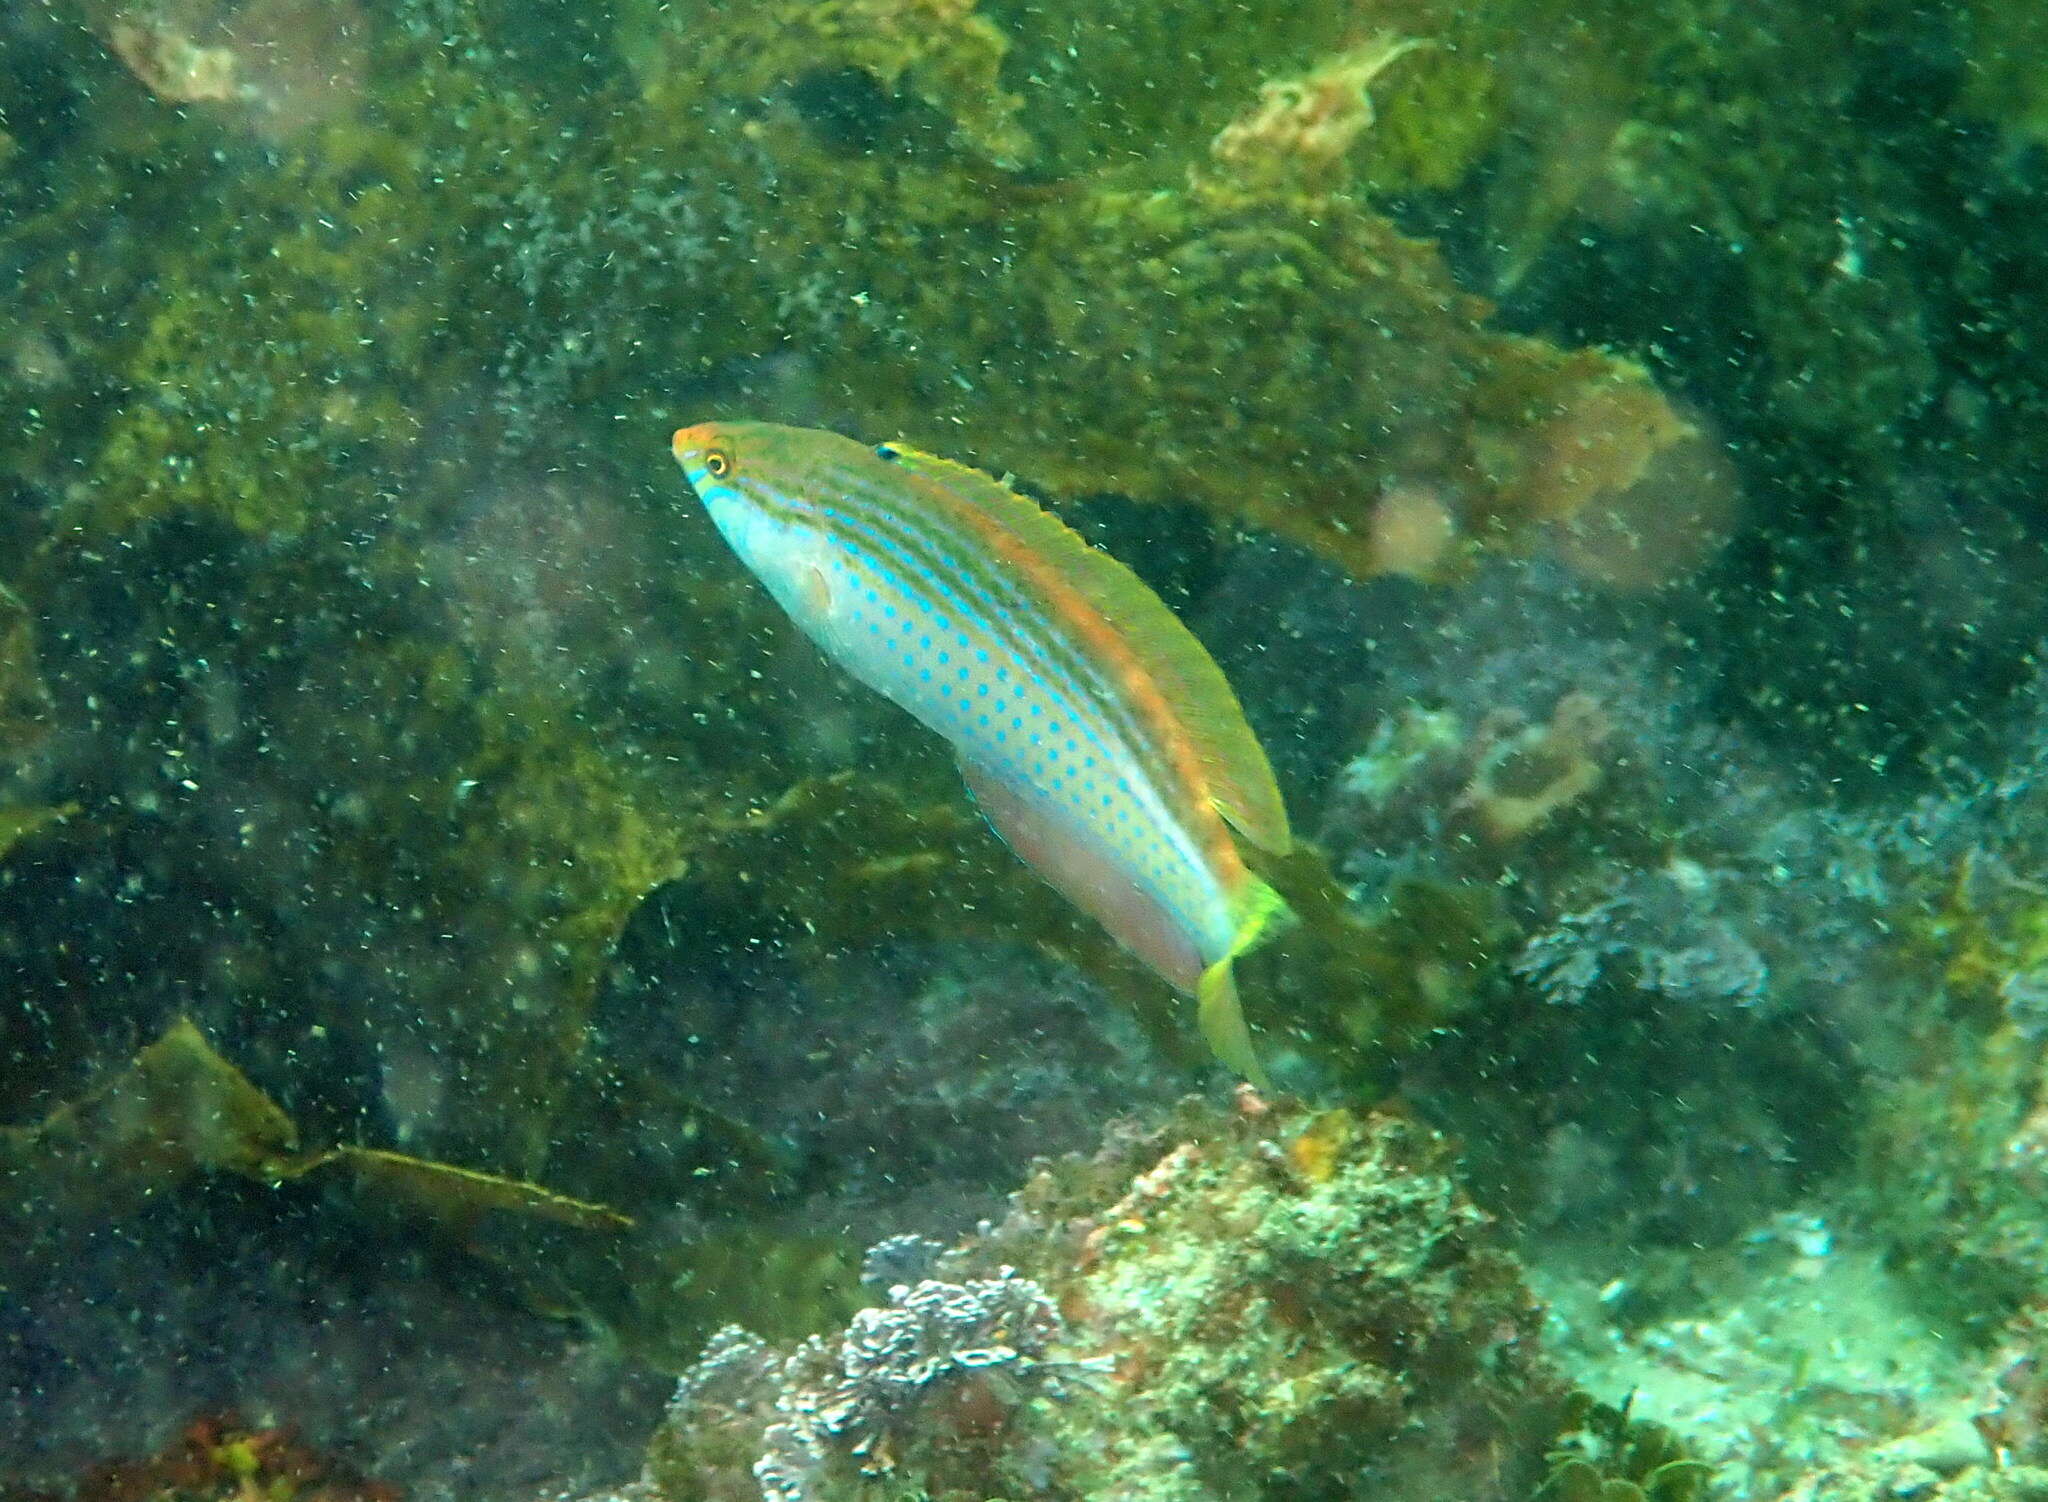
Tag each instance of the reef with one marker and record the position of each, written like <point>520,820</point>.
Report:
<point>1259,1301</point>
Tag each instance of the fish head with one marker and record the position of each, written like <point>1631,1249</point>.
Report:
<point>709,453</point>
<point>752,479</point>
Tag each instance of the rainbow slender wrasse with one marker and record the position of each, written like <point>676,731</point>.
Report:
<point>1093,729</point>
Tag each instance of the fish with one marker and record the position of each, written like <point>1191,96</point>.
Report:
<point>1095,733</point>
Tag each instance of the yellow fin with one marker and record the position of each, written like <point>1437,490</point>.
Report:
<point>1233,762</point>
<point>1223,1024</point>
<point>1217,1006</point>
<point>1262,907</point>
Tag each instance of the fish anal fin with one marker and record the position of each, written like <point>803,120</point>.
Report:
<point>1077,866</point>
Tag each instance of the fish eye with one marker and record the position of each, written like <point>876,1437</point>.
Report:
<point>887,451</point>
<point>718,464</point>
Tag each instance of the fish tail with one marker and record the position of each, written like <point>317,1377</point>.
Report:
<point>1218,1009</point>
<point>1263,907</point>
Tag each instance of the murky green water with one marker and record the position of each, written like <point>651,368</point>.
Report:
<point>465,950</point>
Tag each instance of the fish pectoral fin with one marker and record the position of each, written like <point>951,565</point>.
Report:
<point>1223,1025</point>
<point>817,590</point>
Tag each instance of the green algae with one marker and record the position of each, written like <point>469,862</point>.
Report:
<point>299,368</point>
<point>297,354</point>
<point>17,824</point>
<point>966,236</point>
<point>2004,81</point>
<point>1955,1165</point>
<point>1067,335</point>
<point>24,698</point>
<point>938,52</point>
<point>1604,1455</point>
<point>181,1109</point>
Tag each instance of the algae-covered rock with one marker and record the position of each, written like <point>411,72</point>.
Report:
<point>361,533</point>
<point>2006,81</point>
<point>24,700</point>
<point>1956,1162</point>
<point>224,1458</point>
<point>1251,1304</point>
<point>1080,338</point>
<point>941,53</point>
<point>181,1109</point>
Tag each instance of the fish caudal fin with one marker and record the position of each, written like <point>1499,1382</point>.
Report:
<point>1217,1007</point>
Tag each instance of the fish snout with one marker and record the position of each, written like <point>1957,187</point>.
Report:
<point>688,441</point>
<point>704,454</point>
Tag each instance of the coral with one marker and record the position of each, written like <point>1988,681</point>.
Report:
<point>935,1347</point>
<point>1681,898</point>
<point>1522,776</point>
<point>947,1360</point>
<point>1258,1302</point>
<point>1668,941</point>
<point>924,1387</point>
<point>903,1258</point>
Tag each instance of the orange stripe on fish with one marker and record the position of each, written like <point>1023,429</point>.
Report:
<point>1095,732</point>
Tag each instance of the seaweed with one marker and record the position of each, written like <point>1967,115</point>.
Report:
<point>181,1109</point>
<point>1605,1455</point>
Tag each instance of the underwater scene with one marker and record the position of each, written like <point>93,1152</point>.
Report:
<point>951,750</point>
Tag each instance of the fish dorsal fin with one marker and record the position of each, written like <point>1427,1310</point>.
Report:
<point>1240,779</point>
